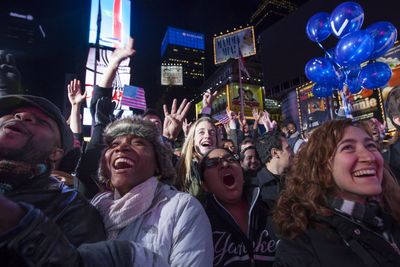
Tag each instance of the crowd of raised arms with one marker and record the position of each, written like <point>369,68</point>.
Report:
<point>231,195</point>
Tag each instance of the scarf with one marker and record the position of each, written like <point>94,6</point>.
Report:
<point>118,212</point>
<point>14,174</point>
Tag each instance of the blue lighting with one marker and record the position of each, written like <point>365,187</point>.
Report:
<point>183,38</point>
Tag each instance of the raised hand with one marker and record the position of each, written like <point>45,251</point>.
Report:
<point>256,115</point>
<point>173,121</point>
<point>116,58</point>
<point>186,127</point>
<point>242,120</point>
<point>208,98</point>
<point>231,114</point>
<point>227,128</point>
<point>123,53</point>
<point>74,93</point>
<point>266,121</point>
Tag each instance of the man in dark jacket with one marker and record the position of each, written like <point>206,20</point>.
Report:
<point>276,156</point>
<point>33,136</point>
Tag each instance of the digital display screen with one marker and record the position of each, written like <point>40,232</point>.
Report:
<point>115,22</point>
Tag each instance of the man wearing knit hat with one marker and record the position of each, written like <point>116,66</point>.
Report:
<point>33,136</point>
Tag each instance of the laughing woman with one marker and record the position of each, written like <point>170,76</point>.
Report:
<point>166,227</point>
<point>240,221</point>
<point>202,137</point>
<point>341,206</point>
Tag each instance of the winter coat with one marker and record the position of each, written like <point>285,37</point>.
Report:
<point>175,229</point>
<point>340,241</point>
<point>74,216</point>
<point>269,184</point>
<point>232,247</point>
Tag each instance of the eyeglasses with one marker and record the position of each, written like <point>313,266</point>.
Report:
<point>213,162</point>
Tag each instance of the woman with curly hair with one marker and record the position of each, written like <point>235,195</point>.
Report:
<point>341,206</point>
<point>202,137</point>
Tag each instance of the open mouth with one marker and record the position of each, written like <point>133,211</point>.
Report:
<point>15,127</point>
<point>206,144</point>
<point>123,163</point>
<point>364,173</point>
<point>228,179</point>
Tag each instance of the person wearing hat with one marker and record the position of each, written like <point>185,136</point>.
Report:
<point>33,136</point>
<point>141,206</point>
<point>148,222</point>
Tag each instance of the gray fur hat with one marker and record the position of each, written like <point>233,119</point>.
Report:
<point>137,126</point>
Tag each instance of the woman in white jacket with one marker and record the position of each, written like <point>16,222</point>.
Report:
<point>165,225</point>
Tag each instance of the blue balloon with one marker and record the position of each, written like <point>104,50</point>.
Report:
<point>384,34</point>
<point>375,75</point>
<point>320,70</point>
<point>354,48</point>
<point>318,28</point>
<point>353,84</point>
<point>346,18</point>
<point>350,78</point>
<point>322,90</point>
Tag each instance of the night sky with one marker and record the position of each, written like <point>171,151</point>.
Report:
<point>46,64</point>
<point>151,18</point>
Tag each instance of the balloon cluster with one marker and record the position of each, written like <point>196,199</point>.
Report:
<point>341,66</point>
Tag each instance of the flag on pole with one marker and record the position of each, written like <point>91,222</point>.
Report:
<point>134,97</point>
<point>241,65</point>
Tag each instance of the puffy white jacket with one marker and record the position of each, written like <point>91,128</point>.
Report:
<point>174,231</point>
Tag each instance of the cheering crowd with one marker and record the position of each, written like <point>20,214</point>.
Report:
<point>234,195</point>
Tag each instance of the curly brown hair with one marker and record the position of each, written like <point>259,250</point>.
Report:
<point>309,182</point>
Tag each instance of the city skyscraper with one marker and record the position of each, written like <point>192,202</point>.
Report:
<point>182,59</point>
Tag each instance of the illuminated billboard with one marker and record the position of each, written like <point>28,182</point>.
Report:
<point>392,58</point>
<point>313,111</point>
<point>171,75</point>
<point>252,98</point>
<point>183,38</point>
<point>122,76</point>
<point>115,22</point>
<point>231,44</point>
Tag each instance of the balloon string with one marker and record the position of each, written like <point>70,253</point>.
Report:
<point>345,72</point>
<point>330,56</point>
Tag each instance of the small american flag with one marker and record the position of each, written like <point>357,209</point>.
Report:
<point>222,117</point>
<point>134,97</point>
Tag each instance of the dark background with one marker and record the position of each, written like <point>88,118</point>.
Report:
<point>48,63</point>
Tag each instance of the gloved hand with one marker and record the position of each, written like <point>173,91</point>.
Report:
<point>103,114</point>
<point>10,77</point>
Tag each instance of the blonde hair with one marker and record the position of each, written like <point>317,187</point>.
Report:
<point>188,154</point>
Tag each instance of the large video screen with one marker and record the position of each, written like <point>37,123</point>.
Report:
<point>115,22</point>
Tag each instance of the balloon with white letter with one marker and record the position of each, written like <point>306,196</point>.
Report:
<point>346,18</point>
